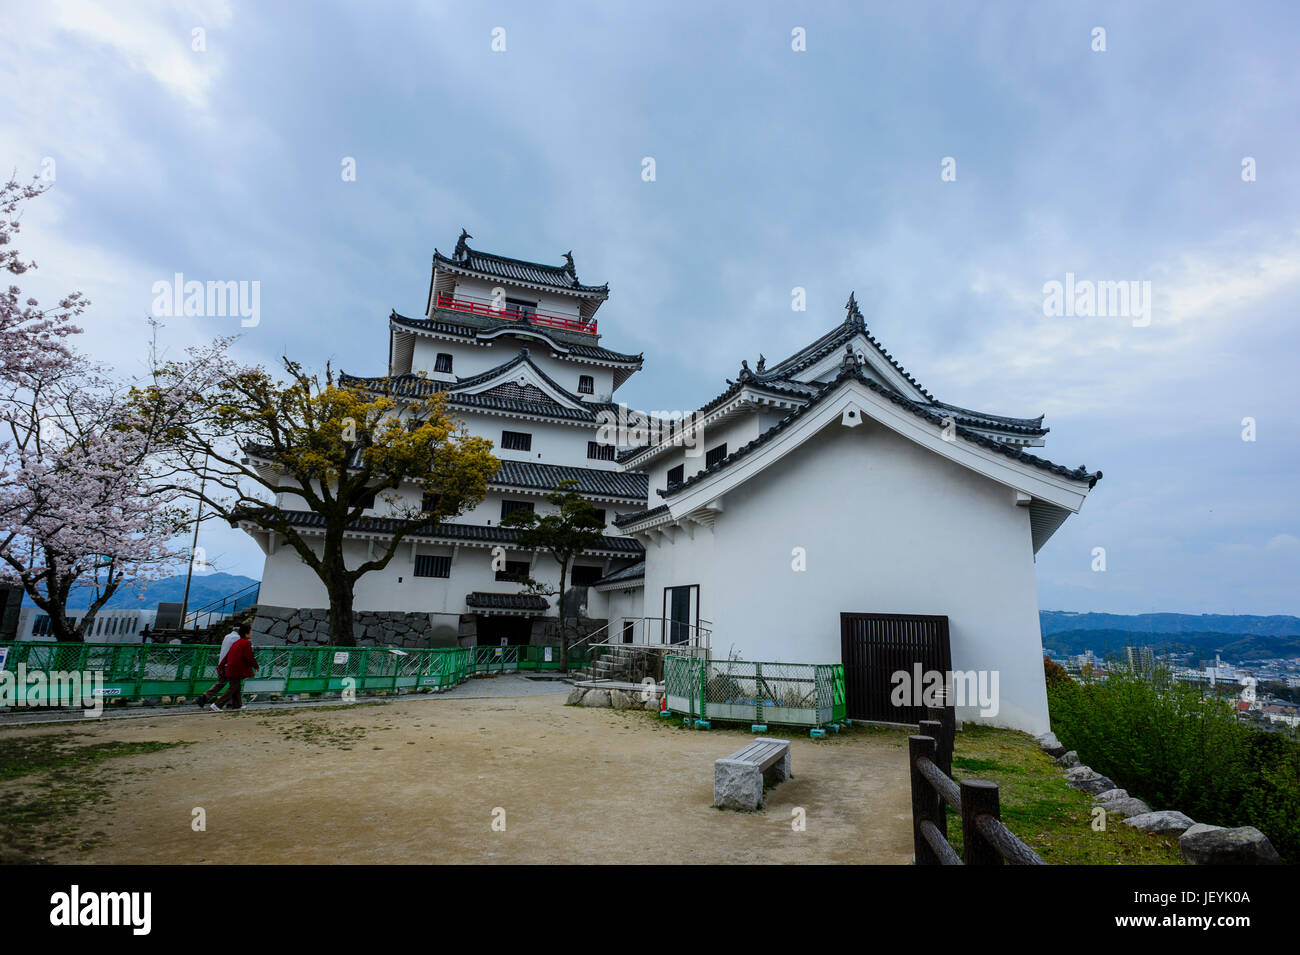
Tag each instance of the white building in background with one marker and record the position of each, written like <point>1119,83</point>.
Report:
<point>828,483</point>
<point>109,626</point>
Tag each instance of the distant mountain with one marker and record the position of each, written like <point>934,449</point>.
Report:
<point>1234,647</point>
<point>1056,621</point>
<point>204,589</point>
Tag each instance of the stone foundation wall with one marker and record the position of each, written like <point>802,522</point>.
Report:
<point>310,627</point>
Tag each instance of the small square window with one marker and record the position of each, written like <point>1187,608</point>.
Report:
<point>586,385</point>
<point>714,455</point>
<point>430,565</point>
<point>516,441</point>
<point>675,475</point>
<point>509,507</point>
<point>442,363</point>
<point>600,452</point>
<point>516,571</point>
<point>584,576</point>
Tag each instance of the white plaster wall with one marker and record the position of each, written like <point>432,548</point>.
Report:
<point>887,527</point>
<point>287,582</point>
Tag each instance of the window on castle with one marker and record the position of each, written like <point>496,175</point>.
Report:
<point>586,576</point>
<point>600,452</point>
<point>516,571</point>
<point>516,441</point>
<point>509,507</point>
<point>367,500</point>
<point>600,515</point>
<point>586,385</point>
<point>442,363</point>
<point>431,565</point>
<point>714,455</point>
<point>522,308</point>
<point>676,474</point>
<point>430,501</point>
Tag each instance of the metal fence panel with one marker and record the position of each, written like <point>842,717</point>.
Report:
<point>747,691</point>
<point>146,671</point>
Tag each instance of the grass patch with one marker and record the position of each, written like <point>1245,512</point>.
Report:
<point>51,780</point>
<point>319,733</point>
<point>1050,817</point>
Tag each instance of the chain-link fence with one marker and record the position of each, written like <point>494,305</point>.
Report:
<point>154,671</point>
<point>745,691</point>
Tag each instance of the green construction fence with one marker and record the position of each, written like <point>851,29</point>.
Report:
<point>747,691</point>
<point>138,671</point>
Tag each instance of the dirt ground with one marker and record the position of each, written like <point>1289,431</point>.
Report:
<point>422,780</point>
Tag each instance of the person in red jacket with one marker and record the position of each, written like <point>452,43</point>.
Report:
<point>240,665</point>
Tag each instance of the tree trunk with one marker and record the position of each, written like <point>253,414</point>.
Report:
<point>338,584</point>
<point>341,633</point>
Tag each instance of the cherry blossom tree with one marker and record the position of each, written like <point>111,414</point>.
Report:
<point>76,506</point>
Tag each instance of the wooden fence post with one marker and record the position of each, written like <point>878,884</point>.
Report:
<point>934,730</point>
<point>946,717</point>
<point>978,798</point>
<point>925,801</point>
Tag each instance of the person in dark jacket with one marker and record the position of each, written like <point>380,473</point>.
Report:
<point>212,692</point>
<point>240,665</point>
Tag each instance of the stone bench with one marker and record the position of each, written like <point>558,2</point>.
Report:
<point>738,779</point>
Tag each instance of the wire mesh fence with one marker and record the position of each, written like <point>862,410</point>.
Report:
<point>154,671</point>
<point>747,691</point>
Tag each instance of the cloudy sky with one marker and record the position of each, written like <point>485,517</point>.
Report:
<point>1169,157</point>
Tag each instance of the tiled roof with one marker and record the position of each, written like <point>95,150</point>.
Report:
<point>853,325</point>
<point>499,266</point>
<point>624,519</point>
<point>855,373</point>
<point>563,347</point>
<point>981,419</point>
<point>486,601</point>
<point>782,389</point>
<point>628,574</point>
<point>446,531</point>
<point>418,386</point>
<point>590,481</point>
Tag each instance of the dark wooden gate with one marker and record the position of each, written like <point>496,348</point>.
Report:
<point>875,646</point>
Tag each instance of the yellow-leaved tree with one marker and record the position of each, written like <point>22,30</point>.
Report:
<point>304,458</point>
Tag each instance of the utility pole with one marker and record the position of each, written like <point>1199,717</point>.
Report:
<point>194,543</point>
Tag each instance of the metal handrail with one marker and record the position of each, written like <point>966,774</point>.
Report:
<point>220,604</point>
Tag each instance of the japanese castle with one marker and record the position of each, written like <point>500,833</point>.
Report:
<point>826,485</point>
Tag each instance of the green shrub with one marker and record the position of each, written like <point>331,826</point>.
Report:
<point>1176,747</point>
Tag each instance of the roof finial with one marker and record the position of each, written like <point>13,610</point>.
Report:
<point>855,316</point>
<point>568,265</point>
<point>762,363</point>
<point>745,373</point>
<point>462,249</point>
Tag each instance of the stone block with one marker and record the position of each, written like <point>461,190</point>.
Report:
<point>1215,845</point>
<point>737,785</point>
<point>1168,820</point>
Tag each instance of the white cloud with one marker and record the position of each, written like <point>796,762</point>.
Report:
<point>154,38</point>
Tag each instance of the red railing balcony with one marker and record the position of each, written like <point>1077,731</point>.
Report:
<point>512,313</point>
